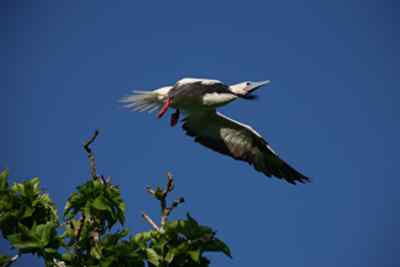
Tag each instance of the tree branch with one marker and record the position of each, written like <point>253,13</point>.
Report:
<point>161,195</point>
<point>81,224</point>
<point>12,260</point>
<point>150,221</point>
<point>92,160</point>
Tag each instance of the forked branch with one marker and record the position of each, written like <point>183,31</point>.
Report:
<point>161,195</point>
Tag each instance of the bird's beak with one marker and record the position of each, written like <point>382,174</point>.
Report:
<point>255,85</point>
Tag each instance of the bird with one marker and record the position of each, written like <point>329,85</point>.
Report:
<point>198,99</point>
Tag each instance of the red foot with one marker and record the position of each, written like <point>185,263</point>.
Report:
<point>175,118</point>
<point>164,107</point>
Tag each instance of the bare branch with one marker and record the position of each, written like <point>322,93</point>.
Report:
<point>150,191</point>
<point>161,195</point>
<point>178,201</point>
<point>12,260</point>
<point>170,183</point>
<point>91,157</point>
<point>150,221</point>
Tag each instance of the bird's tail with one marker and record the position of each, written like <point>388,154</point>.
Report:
<point>149,101</point>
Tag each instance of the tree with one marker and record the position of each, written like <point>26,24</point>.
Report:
<point>86,235</point>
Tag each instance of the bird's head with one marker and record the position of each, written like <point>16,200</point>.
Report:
<point>244,89</point>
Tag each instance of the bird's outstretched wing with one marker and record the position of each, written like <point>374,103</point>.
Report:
<point>240,141</point>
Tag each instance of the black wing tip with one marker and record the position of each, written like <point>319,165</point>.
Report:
<point>298,180</point>
<point>292,176</point>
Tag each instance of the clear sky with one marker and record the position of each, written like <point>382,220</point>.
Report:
<point>332,111</point>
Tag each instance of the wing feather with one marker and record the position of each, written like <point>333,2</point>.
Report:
<point>239,141</point>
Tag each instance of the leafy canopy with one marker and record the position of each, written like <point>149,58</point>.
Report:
<point>87,235</point>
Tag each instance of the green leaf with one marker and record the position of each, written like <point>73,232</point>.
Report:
<point>191,220</point>
<point>177,250</point>
<point>111,239</point>
<point>218,246</point>
<point>95,251</point>
<point>68,257</point>
<point>101,203</point>
<point>17,241</point>
<point>121,216</point>
<point>50,250</point>
<point>143,236</point>
<point>44,233</point>
<point>27,213</point>
<point>28,189</point>
<point>35,183</point>
<point>170,256</point>
<point>195,255</point>
<point>153,257</point>
<point>17,188</point>
<point>32,240</point>
<point>3,180</point>
<point>70,205</point>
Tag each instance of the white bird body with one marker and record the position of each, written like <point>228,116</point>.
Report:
<point>199,99</point>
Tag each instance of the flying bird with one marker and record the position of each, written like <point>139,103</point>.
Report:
<point>199,99</point>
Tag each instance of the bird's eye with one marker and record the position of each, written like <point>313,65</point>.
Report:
<point>247,83</point>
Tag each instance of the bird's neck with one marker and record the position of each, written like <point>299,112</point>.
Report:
<point>218,99</point>
<point>237,89</point>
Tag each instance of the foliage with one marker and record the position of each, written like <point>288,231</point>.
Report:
<point>87,235</point>
<point>28,218</point>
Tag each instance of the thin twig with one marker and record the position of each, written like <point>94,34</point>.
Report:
<point>150,191</point>
<point>12,260</point>
<point>150,221</point>
<point>81,224</point>
<point>165,211</point>
<point>91,157</point>
<point>170,183</point>
<point>177,202</point>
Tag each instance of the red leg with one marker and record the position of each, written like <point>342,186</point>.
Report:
<point>175,118</point>
<point>164,107</point>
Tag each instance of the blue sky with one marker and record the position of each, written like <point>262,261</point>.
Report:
<point>331,111</point>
